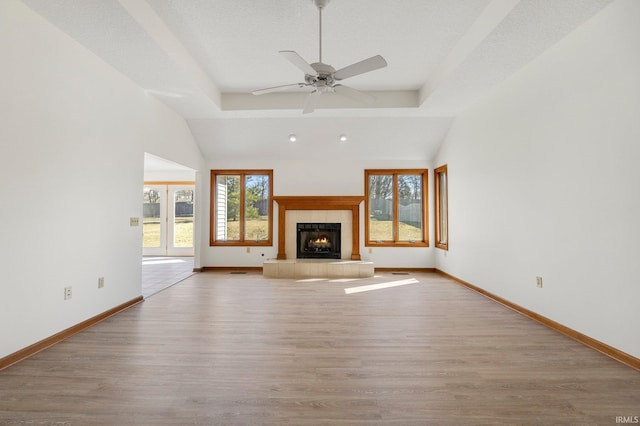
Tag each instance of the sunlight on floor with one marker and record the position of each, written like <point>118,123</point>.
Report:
<point>360,289</point>
<point>159,273</point>
<point>161,262</point>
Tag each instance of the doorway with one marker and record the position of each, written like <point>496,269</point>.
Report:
<point>167,225</point>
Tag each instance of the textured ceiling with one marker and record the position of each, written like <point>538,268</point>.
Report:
<point>237,42</point>
<point>204,57</point>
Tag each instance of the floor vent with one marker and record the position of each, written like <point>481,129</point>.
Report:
<point>238,272</point>
<point>399,273</point>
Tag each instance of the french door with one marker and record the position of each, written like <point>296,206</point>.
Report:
<point>168,219</point>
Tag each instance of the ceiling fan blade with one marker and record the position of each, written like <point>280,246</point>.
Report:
<point>298,61</point>
<point>279,88</point>
<point>373,63</point>
<point>354,94</point>
<point>312,102</point>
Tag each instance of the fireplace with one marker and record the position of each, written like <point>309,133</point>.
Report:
<point>307,204</point>
<point>318,240</point>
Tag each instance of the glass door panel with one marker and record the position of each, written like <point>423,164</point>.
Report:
<point>168,218</point>
<point>180,238</point>
<point>153,220</point>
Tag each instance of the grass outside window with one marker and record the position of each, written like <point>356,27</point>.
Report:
<point>395,203</point>
<point>241,207</point>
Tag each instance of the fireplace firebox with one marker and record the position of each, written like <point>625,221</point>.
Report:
<point>318,240</point>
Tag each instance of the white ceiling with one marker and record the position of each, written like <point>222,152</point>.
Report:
<point>154,163</point>
<point>204,57</point>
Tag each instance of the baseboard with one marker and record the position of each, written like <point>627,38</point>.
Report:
<point>603,348</point>
<point>230,268</point>
<point>405,269</point>
<point>259,268</point>
<point>58,337</point>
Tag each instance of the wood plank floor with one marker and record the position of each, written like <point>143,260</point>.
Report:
<point>229,349</point>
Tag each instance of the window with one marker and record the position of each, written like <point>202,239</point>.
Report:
<point>395,202</point>
<point>442,216</point>
<point>241,207</point>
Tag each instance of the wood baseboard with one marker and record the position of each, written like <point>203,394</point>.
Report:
<point>406,269</point>
<point>230,268</point>
<point>58,337</point>
<point>603,348</point>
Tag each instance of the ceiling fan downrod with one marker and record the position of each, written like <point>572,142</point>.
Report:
<point>320,4</point>
<point>320,13</point>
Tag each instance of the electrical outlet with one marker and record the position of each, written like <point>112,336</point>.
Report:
<point>248,249</point>
<point>539,282</point>
<point>67,293</point>
<point>134,221</point>
<point>100,282</point>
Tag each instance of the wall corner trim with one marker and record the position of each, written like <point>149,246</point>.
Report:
<point>58,337</point>
<point>603,348</point>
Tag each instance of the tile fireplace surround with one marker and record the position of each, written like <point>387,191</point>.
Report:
<point>287,266</point>
<point>288,203</point>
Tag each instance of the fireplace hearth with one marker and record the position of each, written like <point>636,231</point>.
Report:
<point>318,240</point>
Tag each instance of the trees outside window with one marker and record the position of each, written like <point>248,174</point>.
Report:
<point>395,202</point>
<point>241,208</point>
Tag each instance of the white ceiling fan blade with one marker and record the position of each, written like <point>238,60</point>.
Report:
<point>312,102</point>
<point>354,94</point>
<point>298,61</point>
<point>279,88</point>
<point>373,63</point>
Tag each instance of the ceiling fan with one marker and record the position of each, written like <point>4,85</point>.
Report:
<point>323,78</point>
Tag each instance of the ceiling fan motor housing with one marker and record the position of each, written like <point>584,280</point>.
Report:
<point>324,77</point>
<point>320,3</point>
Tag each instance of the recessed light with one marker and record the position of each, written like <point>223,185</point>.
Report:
<point>343,138</point>
<point>292,138</point>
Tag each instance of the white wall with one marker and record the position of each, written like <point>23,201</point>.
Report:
<point>73,134</point>
<point>544,181</point>
<point>343,176</point>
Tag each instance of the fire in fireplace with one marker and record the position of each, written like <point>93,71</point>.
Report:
<point>318,240</point>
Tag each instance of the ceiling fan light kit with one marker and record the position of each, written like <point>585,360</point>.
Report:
<point>323,78</point>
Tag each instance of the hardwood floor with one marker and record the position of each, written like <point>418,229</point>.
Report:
<point>230,349</point>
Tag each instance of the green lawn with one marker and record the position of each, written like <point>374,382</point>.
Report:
<point>379,230</point>
<point>383,230</point>
<point>183,232</point>
<point>254,229</point>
